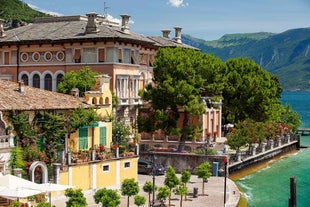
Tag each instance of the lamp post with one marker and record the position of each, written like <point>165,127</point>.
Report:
<point>153,174</point>
<point>225,178</point>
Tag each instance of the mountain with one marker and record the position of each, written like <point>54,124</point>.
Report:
<point>17,13</point>
<point>286,54</point>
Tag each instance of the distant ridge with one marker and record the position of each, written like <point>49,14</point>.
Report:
<point>286,54</point>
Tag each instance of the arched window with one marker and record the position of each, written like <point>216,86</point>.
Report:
<point>36,81</point>
<point>48,82</point>
<point>59,79</point>
<point>25,79</point>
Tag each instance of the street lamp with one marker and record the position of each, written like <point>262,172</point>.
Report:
<point>225,178</point>
<point>153,174</point>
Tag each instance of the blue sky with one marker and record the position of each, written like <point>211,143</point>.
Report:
<point>205,19</point>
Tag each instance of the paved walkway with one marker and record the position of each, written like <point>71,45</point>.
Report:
<point>214,189</point>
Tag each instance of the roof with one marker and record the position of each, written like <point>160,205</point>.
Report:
<point>68,28</point>
<point>72,28</point>
<point>11,98</point>
<point>166,42</point>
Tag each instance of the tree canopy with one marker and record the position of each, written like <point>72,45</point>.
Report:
<point>180,77</point>
<point>250,92</point>
<point>129,187</point>
<point>83,79</point>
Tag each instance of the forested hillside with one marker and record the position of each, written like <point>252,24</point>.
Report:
<point>16,13</point>
<point>286,54</point>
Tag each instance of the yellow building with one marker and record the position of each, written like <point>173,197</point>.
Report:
<point>93,171</point>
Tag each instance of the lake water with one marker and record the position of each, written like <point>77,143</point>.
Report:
<point>271,185</point>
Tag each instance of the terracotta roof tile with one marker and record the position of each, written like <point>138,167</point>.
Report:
<point>34,98</point>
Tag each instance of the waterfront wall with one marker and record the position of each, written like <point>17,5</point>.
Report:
<point>187,161</point>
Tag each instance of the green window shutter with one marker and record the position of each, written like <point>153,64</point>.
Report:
<point>83,138</point>
<point>40,143</point>
<point>103,136</point>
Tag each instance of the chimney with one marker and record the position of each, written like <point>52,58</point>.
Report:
<point>178,34</point>
<point>75,92</point>
<point>104,82</point>
<point>1,28</point>
<point>125,23</point>
<point>21,87</point>
<point>166,33</point>
<point>91,26</point>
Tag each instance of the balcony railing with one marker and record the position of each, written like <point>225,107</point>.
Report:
<point>6,141</point>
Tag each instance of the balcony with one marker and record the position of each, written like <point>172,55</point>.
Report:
<point>6,141</point>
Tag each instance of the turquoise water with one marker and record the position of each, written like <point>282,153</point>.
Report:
<point>271,185</point>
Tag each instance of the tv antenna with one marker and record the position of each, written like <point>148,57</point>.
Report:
<point>105,8</point>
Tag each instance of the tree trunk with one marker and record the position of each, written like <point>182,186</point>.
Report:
<point>184,135</point>
<point>203,186</point>
<point>169,203</point>
<point>127,201</point>
<point>181,202</point>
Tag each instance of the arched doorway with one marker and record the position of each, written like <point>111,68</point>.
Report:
<point>43,166</point>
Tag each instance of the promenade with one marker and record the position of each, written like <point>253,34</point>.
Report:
<point>214,189</point>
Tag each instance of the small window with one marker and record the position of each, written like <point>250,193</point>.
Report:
<point>120,56</point>
<point>77,56</point>
<point>6,58</point>
<point>127,165</point>
<point>48,56</point>
<point>60,55</point>
<point>101,54</point>
<point>106,168</point>
<point>36,56</point>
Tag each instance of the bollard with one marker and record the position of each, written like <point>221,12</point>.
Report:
<point>195,194</point>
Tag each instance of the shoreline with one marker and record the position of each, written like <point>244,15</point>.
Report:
<point>252,169</point>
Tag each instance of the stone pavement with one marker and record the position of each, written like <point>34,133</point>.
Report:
<point>214,189</point>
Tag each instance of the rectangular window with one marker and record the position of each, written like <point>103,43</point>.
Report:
<point>89,55</point>
<point>111,54</point>
<point>103,136</point>
<point>6,58</point>
<point>106,168</point>
<point>77,56</point>
<point>120,55</point>
<point>133,57</point>
<point>101,55</point>
<point>126,58</point>
<point>127,165</point>
<point>83,138</point>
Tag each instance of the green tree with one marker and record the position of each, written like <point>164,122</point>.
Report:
<point>177,84</point>
<point>25,133</point>
<point>236,139</point>
<point>149,188</point>
<point>181,190</point>
<point>203,171</point>
<point>16,158</point>
<point>52,131</point>
<point>171,180</point>
<point>163,193</point>
<point>76,198</point>
<point>185,178</point>
<point>83,79</point>
<point>43,204</point>
<point>249,92</point>
<point>107,197</point>
<point>120,132</point>
<point>139,200</point>
<point>15,204</point>
<point>129,188</point>
<point>83,117</point>
<point>291,117</point>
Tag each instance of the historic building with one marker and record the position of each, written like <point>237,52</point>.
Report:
<point>87,151</point>
<point>42,52</point>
